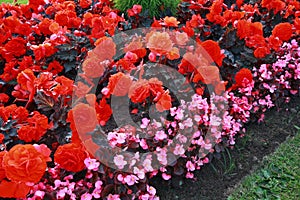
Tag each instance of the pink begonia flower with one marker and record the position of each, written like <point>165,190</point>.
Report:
<point>162,156</point>
<point>39,194</point>
<point>98,184</point>
<point>151,190</point>
<point>43,149</point>
<point>67,178</point>
<point>112,15</point>
<point>188,122</point>
<point>160,135</point>
<point>57,183</point>
<point>73,196</point>
<point>61,194</point>
<point>205,160</point>
<point>145,197</point>
<point>121,138</point>
<point>120,178</point>
<point>143,144</point>
<point>166,176</point>
<point>197,118</point>
<point>139,172</point>
<point>152,57</point>
<point>105,91</point>
<point>131,56</point>
<point>173,111</point>
<point>179,150</point>
<point>147,165</point>
<point>113,197</point>
<point>189,175</point>
<point>91,164</point>
<point>130,180</point>
<point>97,193</point>
<point>181,138</point>
<point>89,175</point>
<point>145,123</point>
<point>119,161</point>
<point>71,188</point>
<point>86,196</point>
<point>190,166</point>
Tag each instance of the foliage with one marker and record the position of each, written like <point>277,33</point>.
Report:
<point>156,8</point>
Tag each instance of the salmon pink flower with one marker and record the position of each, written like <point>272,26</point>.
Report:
<point>81,89</point>
<point>85,118</point>
<point>43,149</point>
<point>173,54</point>
<point>119,84</point>
<point>181,38</point>
<point>137,47</point>
<point>105,48</point>
<point>139,91</point>
<point>160,43</point>
<point>170,21</point>
<point>164,102</point>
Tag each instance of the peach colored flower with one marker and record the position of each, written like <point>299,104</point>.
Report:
<point>171,21</point>
<point>93,67</point>
<point>181,38</point>
<point>85,118</point>
<point>207,74</point>
<point>105,48</point>
<point>119,84</point>
<point>160,43</point>
<point>136,47</point>
<point>164,102</point>
<point>173,54</point>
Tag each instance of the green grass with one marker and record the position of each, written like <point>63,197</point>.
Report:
<point>279,177</point>
<point>11,1</point>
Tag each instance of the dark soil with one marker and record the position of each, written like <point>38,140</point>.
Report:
<point>216,180</point>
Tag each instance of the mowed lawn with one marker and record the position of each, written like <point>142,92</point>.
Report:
<point>11,1</point>
<point>278,177</point>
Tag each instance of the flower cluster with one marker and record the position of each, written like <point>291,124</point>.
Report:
<point>65,63</point>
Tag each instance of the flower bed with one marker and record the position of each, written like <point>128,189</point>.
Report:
<point>68,67</point>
